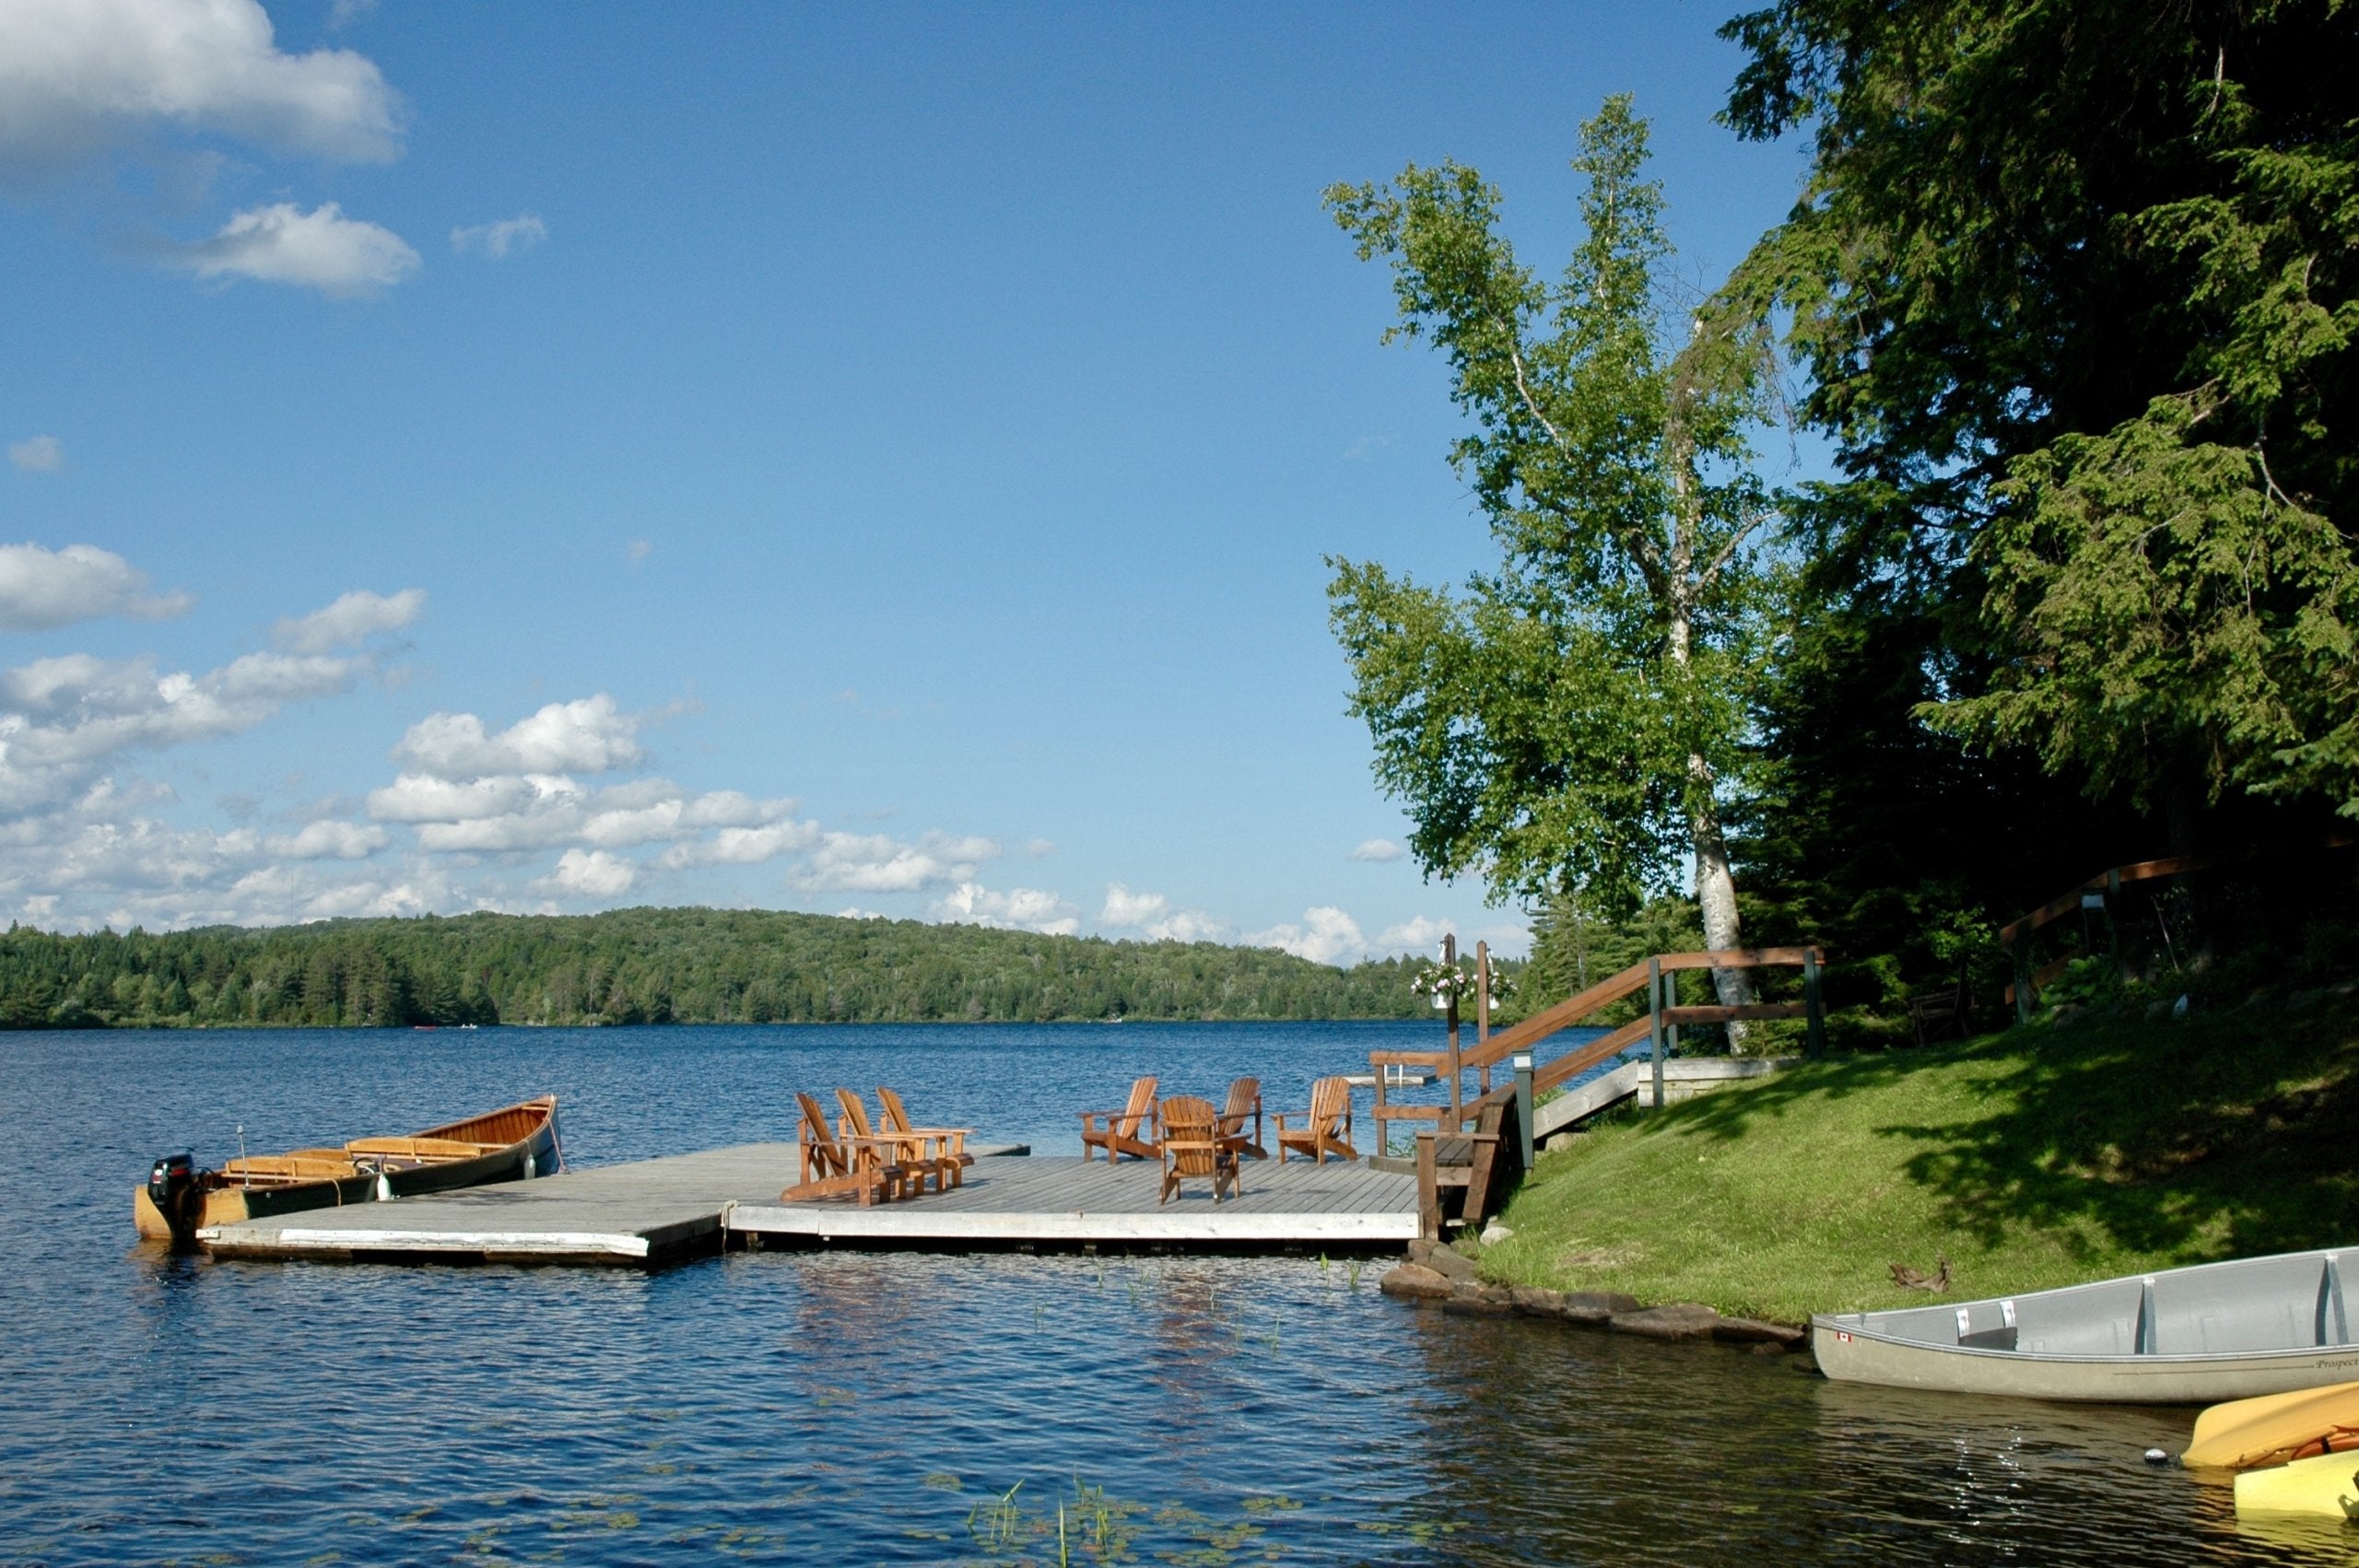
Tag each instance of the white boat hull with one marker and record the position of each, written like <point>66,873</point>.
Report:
<point>2182,1336</point>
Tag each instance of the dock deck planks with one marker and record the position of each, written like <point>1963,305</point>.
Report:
<point>1061,1202</point>
<point>651,1211</point>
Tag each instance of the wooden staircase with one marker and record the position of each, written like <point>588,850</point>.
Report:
<point>1480,1163</point>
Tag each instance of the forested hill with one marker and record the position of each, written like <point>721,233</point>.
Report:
<point>659,966</point>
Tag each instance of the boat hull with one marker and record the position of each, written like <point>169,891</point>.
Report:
<point>2326,1485</point>
<point>509,1144</point>
<point>2197,1335</point>
<point>1851,1356</point>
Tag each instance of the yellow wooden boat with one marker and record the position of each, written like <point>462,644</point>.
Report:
<point>2327,1485</point>
<point>2275,1429</point>
<point>516,1141</point>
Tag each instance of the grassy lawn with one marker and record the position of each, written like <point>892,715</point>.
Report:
<point>2033,1158</point>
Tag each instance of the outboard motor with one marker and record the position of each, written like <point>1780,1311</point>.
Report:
<point>173,1188</point>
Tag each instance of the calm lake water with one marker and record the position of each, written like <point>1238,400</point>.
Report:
<point>860,1408</point>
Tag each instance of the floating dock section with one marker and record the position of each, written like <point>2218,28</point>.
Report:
<point>653,1211</point>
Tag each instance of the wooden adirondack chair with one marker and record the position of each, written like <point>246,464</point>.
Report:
<point>837,1165</point>
<point>916,1157</point>
<point>1119,1132</point>
<point>1192,1146</point>
<point>943,1147</point>
<point>1244,1103</point>
<point>1326,1131</point>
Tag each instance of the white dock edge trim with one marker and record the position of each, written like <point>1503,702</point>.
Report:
<point>348,1239</point>
<point>777,1220</point>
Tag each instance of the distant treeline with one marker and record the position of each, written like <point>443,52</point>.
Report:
<point>659,967</point>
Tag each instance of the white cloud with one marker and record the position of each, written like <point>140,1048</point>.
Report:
<point>743,845</point>
<point>1126,908</point>
<point>500,240</point>
<point>1025,908</point>
<point>40,589</point>
<point>329,840</point>
<point>855,862</point>
<point>37,454</point>
<point>589,736</point>
<point>321,248</point>
<point>1377,850</point>
<point>638,551</point>
<point>1151,915</point>
<point>591,873</point>
<point>351,621</point>
<point>65,720</point>
<point>1039,848</point>
<point>1326,936</point>
<point>1419,934</point>
<point>78,76</point>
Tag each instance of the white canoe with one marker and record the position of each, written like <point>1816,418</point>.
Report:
<point>2181,1335</point>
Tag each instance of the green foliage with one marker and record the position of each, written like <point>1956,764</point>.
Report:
<point>659,966</point>
<point>1571,718</point>
<point>2169,601</point>
<point>2074,281</point>
<point>1572,948</point>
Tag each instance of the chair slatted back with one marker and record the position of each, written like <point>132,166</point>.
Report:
<point>1142,1101</point>
<point>1330,1098</point>
<point>1190,1127</point>
<point>1244,1098</point>
<point>820,1143</point>
<point>855,1114</point>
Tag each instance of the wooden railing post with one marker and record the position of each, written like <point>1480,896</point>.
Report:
<point>1522,1065</point>
<point>1383,1126</point>
<point>2113,915</point>
<point>2020,950</point>
<point>1483,1012</point>
<point>1455,1070</point>
<point>1654,1022</point>
<point>1814,1036</point>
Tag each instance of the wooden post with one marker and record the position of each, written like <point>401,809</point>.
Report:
<point>2020,950</point>
<point>1522,1065</point>
<point>1670,999</point>
<point>1383,1126</point>
<point>1815,1038</point>
<point>1654,1022</point>
<point>1449,961</point>
<point>1428,1189</point>
<point>2113,917</point>
<point>1482,1008</point>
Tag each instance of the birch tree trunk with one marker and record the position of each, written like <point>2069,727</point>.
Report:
<point>1715,883</point>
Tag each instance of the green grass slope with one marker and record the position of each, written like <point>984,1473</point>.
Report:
<point>2037,1157</point>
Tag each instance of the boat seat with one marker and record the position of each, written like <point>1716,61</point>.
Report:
<point>422,1148</point>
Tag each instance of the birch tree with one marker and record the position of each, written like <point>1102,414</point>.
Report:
<point>1573,721</point>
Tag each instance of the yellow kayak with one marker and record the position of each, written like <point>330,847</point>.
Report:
<point>2245,1433</point>
<point>2328,1484</point>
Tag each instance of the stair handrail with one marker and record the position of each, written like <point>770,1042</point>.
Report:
<point>1660,1025</point>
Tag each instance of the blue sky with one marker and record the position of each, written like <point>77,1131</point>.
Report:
<point>876,459</point>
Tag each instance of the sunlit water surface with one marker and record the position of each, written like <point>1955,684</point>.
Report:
<point>860,1408</point>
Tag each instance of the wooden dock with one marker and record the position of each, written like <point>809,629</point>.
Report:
<point>653,1211</point>
<point>1066,1203</point>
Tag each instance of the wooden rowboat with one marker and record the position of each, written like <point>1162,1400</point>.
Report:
<point>517,1141</point>
<point>2181,1335</point>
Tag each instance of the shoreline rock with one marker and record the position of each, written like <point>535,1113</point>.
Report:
<point>1433,1275</point>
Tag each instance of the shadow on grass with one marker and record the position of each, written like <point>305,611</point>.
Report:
<point>2215,1137</point>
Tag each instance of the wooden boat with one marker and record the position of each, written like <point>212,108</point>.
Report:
<point>517,1141</point>
<point>2181,1335</point>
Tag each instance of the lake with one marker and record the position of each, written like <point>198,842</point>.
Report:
<point>866,1407</point>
